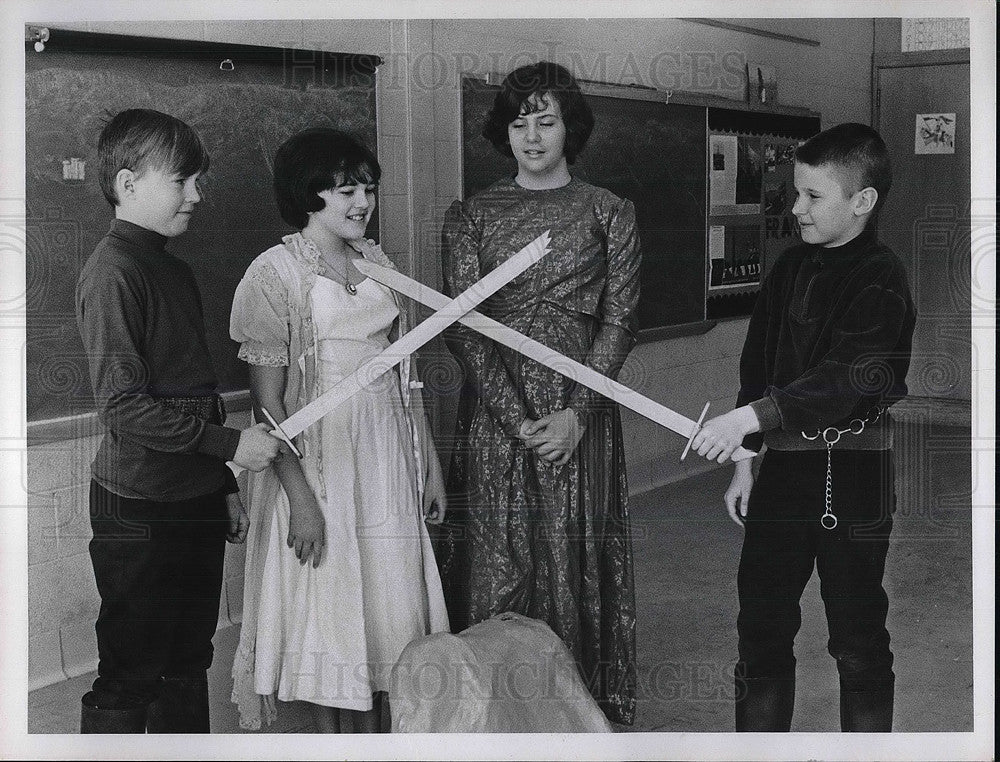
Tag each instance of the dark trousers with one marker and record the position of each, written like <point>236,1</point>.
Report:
<point>784,540</point>
<point>158,568</point>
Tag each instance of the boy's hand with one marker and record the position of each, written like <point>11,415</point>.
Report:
<point>238,521</point>
<point>553,437</point>
<point>719,437</point>
<point>257,448</point>
<point>738,494</point>
<point>306,528</point>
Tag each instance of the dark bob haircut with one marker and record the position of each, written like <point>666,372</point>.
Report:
<point>316,160</point>
<point>139,139</point>
<point>855,149</point>
<point>514,99</point>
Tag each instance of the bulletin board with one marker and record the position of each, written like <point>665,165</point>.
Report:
<point>711,184</point>
<point>243,100</point>
<point>648,151</point>
<point>751,193</point>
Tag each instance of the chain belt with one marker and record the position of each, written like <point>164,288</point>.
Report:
<point>831,435</point>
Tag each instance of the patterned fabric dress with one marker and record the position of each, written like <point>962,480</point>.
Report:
<point>522,535</point>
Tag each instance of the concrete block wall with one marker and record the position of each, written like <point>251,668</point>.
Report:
<point>418,132</point>
<point>62,597</point>
<point>683,374</point>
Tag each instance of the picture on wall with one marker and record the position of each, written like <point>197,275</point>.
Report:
<point>935,133</point>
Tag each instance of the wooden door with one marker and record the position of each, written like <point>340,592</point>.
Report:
<point>926,217</point>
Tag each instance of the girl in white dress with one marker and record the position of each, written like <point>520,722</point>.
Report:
<point>340,572</point>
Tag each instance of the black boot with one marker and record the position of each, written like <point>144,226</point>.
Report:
<point>94,719</point>
<point>181,707</point>
<point>764,704</point>
<point>867,711</point>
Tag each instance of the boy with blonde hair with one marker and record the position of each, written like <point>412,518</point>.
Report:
<point>162,500</point>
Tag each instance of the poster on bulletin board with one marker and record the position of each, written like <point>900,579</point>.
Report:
<point>734,252</point>
<point>722,174</point>
<point>735,174</point>
<point>778,196</point>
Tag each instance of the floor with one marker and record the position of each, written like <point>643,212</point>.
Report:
<point>686,552</point>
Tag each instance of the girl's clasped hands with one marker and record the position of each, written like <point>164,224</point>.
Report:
<point>553,437</point>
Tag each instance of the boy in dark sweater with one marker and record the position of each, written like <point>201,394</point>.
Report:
<point>826,354</point>
<point>162,500</point>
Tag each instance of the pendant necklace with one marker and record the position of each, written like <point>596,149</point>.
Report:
<point>350,287</point>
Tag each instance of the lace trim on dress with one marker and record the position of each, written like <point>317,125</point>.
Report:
<point>310,253</point>
<point>258,356</point>
<point>305,249</point>
<point>266,275</point>
<point>255,711</point>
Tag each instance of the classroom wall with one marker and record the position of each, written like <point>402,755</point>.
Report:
<point>418,131</point>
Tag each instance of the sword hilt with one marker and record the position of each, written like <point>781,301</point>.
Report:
<point>740,453</point>
<point>695,430</point>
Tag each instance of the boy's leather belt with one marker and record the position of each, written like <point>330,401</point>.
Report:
<point>876,435</point>
<point>208,407</point>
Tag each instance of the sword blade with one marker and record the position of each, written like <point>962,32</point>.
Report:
<point>567,366</point>
<point>392,355</point>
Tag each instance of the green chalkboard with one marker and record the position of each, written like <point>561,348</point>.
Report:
<point>243,100</point>
<point>650,152</point>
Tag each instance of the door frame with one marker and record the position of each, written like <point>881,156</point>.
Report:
<point>906,60</point>
<point>914,59</point>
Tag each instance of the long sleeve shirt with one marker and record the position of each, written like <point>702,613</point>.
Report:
<point>829,341</point>
<point>140,316</point>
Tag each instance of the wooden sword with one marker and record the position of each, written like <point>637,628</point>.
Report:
<point>567,366</point>
<point>450,311</point>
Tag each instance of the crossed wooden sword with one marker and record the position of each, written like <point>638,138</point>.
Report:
<point>461,309</point>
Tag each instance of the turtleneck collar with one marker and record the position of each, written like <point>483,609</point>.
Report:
<point>140,237</point>
<point>845,253</point>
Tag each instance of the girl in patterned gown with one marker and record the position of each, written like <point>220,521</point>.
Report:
<point>340,572</point>
<point>537,486</point>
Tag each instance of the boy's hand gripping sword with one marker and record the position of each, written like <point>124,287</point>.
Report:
<point>540,353</point>
<point>449,312</point>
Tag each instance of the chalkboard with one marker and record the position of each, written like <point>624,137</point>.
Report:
<point>647,151</point>
<point>243,100</point>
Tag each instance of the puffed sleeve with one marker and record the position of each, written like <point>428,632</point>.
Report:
<point>478,356</point>
<point>260,318</point>
<point>617,333</point>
